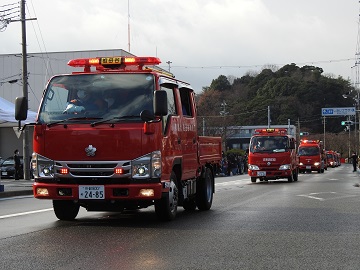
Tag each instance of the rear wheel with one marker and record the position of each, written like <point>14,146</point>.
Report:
<point>205,190</point>
<point>65,210</point>
<point>166,207</point>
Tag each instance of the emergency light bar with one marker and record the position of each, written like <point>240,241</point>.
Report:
<point>113,62</point>
<point>281,131</point>
<point>310,141</point>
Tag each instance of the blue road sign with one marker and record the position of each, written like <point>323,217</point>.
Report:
<point>338,111</point>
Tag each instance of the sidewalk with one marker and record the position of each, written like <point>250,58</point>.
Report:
<point>14,188</point>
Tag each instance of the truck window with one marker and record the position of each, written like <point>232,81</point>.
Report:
<point>269,144</point>
<point>171,101</point>
<point>185,102</point>
<point>106,96</point>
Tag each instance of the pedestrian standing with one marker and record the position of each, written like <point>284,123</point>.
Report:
<point>354,158</point>
<point>17,164</point>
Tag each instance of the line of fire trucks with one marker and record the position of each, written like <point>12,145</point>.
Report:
<point>273,155</point>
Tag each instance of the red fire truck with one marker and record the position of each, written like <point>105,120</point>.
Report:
<point>331,159</point>
<point>121,134</point>
<point>272,155</point>
<point>311,156</point>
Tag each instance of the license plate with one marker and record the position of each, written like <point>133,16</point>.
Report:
<point>308,167</point>
<point>91,192</point>
<point>261,173</point>
<point>3,173</point>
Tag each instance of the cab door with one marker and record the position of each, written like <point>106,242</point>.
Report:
<point>188,133</point>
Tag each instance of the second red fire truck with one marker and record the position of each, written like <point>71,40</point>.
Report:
<point>311,156</point>
<point>272,155</point>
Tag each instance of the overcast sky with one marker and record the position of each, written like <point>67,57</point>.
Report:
<point>202,38</point>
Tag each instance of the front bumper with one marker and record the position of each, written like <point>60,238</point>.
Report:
<point>270,174</point>
<point>56,191</point>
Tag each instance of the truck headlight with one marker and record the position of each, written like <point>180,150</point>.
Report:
<point>254,167</point>
<point>317,163</point>
<point>148,166</point>
<point>285,167</point>
<point>42,166</point>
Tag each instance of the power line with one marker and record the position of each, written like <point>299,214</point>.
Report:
<point>256,66</point>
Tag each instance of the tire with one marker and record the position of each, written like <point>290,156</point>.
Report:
<point>65,210</point>
<point>291,177</point>
<point>166,207</point>
<point>205,190</point>
<point>253,179</point>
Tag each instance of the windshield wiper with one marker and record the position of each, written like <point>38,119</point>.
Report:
<point>114,118</point>
<point>72,119</point>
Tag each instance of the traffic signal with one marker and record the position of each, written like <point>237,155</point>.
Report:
<point>304,133</point>
<point>347,123</point>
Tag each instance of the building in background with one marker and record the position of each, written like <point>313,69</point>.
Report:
<point>238,137</point>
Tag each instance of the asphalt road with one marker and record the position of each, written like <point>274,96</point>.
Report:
<point>309,224</point>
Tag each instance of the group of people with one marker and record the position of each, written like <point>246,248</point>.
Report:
<point>233,164</point>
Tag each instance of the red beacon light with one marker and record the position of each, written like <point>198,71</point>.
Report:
<point>113,62</point>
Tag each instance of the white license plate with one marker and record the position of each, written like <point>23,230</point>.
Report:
<point>261,173</point>
<point>3,173</point>
<point>308,167</point>
<point>91,192</point>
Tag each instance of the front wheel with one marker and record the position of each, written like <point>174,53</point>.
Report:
<point>166,207</point>
<point>205,190</point>
<point>65,210</point>
<point>253,179</point>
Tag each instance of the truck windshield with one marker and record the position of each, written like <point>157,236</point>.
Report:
<point>96,96</point>
<point>309,151</point>
<point>272,144</point>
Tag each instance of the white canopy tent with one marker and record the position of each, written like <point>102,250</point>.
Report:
<point>7,114</point>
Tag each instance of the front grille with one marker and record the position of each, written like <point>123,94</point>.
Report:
<point>92,169</point>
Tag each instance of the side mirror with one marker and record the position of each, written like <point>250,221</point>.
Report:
<point>21,108</point>
<point>160,103</point>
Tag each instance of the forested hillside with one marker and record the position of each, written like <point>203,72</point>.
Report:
<point>292,92</point>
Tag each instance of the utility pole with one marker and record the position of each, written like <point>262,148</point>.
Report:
<point>169,62</point>
<point>26,152</point>
<point>8,18</point>
<point>324,131</point>
<point>224,113</point>
<point>129,25</point>
<point>269,120</point>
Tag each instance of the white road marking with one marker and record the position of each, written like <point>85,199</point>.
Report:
<point>26,213</point>
<point>229,183</point>
<point>311,195</point>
